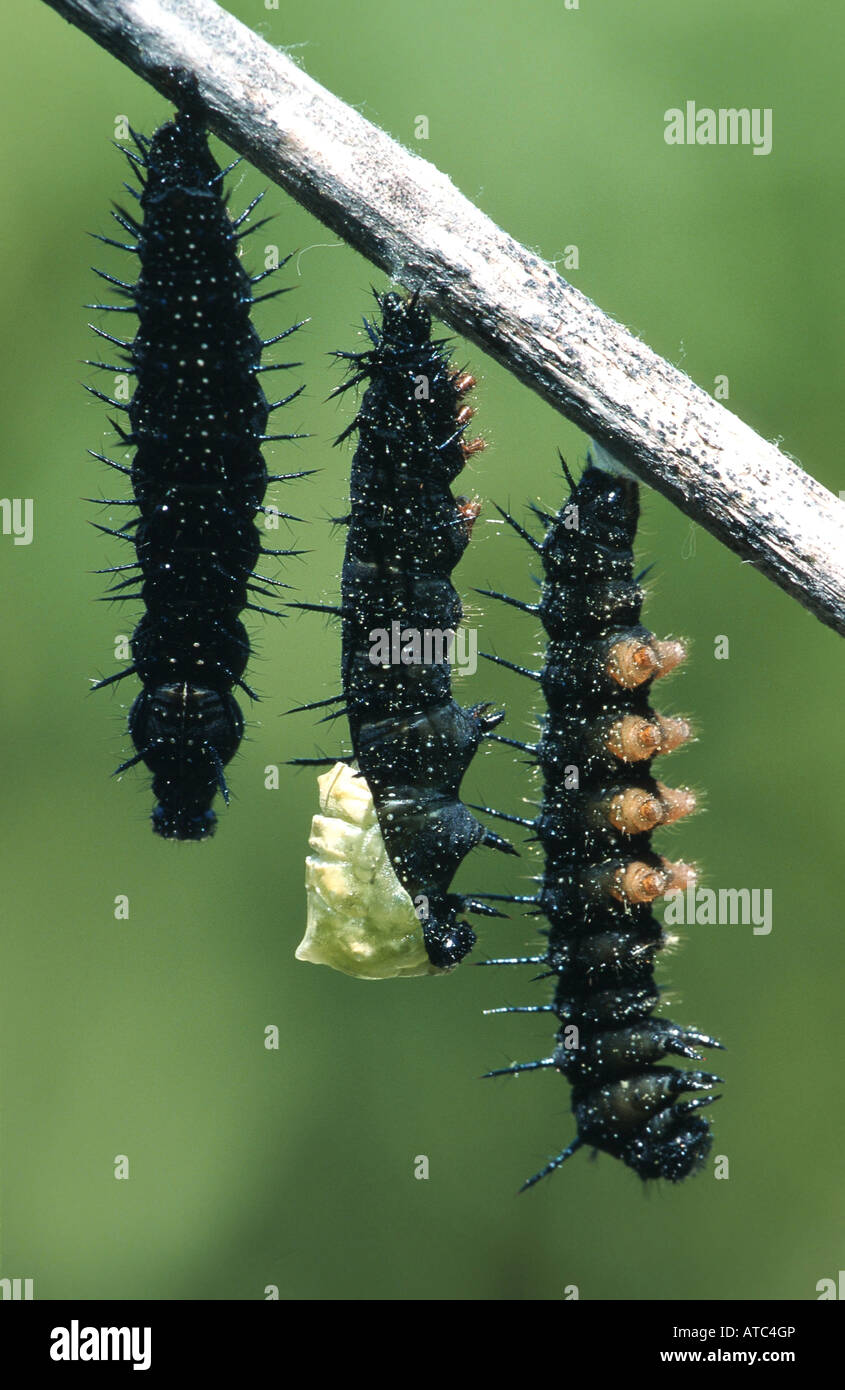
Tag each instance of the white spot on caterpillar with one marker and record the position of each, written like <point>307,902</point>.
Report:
<point>360,919</point>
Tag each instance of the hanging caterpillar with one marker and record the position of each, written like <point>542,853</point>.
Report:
<point>410,739</point>
<point>600,805</point>
<point>197,420</point>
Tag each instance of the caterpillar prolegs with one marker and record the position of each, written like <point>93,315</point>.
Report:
<point>411,741</point>
<point>600,804</point>
<point>197,419</point>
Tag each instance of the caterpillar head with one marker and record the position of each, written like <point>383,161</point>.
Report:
<point>677,1151</point>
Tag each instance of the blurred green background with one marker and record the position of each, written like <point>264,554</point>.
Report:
<point>145,1037</point>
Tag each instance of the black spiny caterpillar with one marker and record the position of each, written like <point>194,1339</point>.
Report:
<point>411,741</point>
<point>600,805</point>
<point>197,420</point>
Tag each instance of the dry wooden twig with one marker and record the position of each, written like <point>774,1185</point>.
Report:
<point>408,218</point>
